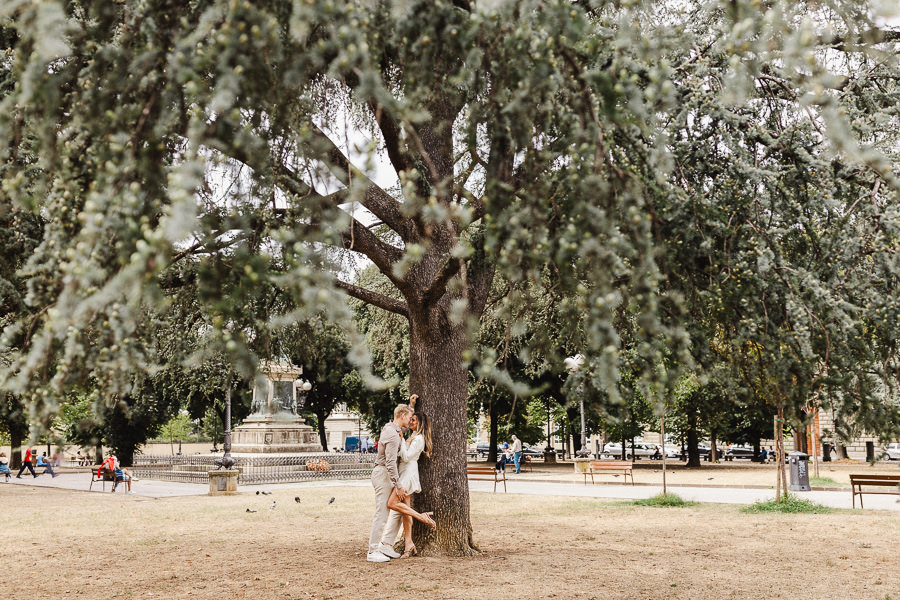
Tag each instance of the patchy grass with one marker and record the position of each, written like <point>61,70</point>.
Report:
<point>665,501</point>
<point>825,482</point>
<point>789,504</point>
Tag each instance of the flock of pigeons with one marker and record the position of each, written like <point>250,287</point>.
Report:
<point>274,504</point>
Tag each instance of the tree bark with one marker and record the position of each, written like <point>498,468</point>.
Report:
<point>438,376</point>
<point>320,425</point>
<point>692,441</point>
<point>492,432</point>
<point>16,437</point>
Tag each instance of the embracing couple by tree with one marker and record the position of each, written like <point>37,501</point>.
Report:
<point>395,478</point>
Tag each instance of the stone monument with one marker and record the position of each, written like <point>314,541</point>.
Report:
<point>274,425</point>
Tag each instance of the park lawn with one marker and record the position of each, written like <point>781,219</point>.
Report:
<point>71,544</point>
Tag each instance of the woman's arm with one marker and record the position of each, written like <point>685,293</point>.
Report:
<point>405,451</point>
<point>415,447</point>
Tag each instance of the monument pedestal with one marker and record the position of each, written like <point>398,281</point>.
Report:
<point>223,482</point>
<point>582,464</point>
<point>269,435</point>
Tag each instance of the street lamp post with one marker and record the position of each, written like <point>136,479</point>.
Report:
<point>573,363</point>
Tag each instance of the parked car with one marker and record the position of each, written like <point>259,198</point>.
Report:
<point>612,450</point>
<point>482,448</point>
<point>893,451</point>
<point>739,452</point>
<point>532,451</point>
<point>641,450</point>
<point>673,452</point>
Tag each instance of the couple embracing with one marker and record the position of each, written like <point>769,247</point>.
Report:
<point>395,484</point>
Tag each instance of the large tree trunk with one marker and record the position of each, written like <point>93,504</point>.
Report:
<point>692,440</point>
<point>492,432</point>
<point>438,376</point>
<point>320,425</point>
<point>16,437</point>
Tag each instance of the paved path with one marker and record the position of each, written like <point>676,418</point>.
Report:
<point>164,489</point>
<point>841,499</point>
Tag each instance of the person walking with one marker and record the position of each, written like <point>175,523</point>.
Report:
<point>27,463</point>
<point>517,453</point>
<point>385,480</point>
<point>48,466</point>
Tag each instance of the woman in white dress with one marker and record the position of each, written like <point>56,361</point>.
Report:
<point>419,441</point>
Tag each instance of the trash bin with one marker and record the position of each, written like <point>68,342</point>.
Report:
<point>826,452</point>
<point>870,452</point>
<point>799,472</point>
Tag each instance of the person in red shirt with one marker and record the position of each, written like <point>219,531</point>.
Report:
<point>27,463</point>
<point>111,464</point>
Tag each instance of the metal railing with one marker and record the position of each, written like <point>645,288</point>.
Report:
<point>278,468</point>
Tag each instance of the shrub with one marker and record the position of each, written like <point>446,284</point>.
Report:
<point>789,504</point>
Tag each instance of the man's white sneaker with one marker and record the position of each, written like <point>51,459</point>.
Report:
<point>388,551</point>
<point>377,557</point>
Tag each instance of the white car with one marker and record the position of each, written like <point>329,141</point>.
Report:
<point>641,450</point>
<point>893,451</point>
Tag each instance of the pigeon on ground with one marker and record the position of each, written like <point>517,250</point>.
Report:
<point>267,493</point>
<point>710,478</point>
<point>273,505</point>
<point>297,499</point>
<point>332,500</point>
<point>257,492</point>
<point>250,510</point>
<point>614,475</point>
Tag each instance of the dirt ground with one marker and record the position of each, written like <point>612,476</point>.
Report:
<point>67,544</point>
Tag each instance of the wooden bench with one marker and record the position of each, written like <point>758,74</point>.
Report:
<point>858,481</point>
<point>486,474</point>
<point>524,463</point>
<point>107,475</point>
<point>607,467</point>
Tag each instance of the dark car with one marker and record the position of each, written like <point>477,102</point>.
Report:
<point>739,452</point>
<point>482,448</point>
<point>532,451</point>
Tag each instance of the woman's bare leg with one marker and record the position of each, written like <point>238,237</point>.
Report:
<point>394,503</point>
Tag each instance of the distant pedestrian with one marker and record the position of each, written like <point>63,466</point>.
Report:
<point>48,467</point>
<point>27,463</point>
<point>4,466</point>
<point>502,457</point>
<point>763,455</point>
<point>517,453</point>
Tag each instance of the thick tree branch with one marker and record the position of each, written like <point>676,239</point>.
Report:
<point>376,200</point>
<point>360,238</point>
<point>439,283</point>
<point>374,298</point>
<point>390,131</point>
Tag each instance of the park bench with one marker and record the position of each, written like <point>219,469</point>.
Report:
<point>858,481</point>
<point>524,463</point>
<point>608,467</point>
<point>486,474</point>
<point>107,475</point>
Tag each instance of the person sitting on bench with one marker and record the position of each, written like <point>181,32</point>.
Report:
<point>4,466</point>
<point>112,471</point>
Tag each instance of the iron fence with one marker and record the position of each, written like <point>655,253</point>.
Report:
<point>279,468</point>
